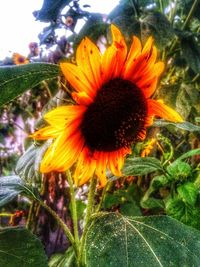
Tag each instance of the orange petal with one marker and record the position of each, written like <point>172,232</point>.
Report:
<point>148,82</point>
<point>148,45</point>
<point>101,163</point>
<point>114,57</point>
<point>136,69</point>
<point>156,108</point>
<point>134,52</point>
<point>89,60</point>
<point>82,98</point>
<point>77,78</point>
<point>113,163</point>
<point>149,87</point>
<point>85,167</point>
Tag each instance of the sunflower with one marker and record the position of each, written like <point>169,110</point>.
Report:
<point>113,108</point>
<point>19,59</point>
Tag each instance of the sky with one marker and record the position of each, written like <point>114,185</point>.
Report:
<point>18,26</point>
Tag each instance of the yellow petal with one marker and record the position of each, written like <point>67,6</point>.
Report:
<point>62,154</point>
<point>62,115</point>
<point>89,60</point>
<point>156,108</point>
<point>77,78</point>
<point>46,133</point>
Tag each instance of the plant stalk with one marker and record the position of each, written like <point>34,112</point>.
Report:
<point>74,208</point>
<point>185,24</point>
<point>61,223</point>
<point>90,207</point>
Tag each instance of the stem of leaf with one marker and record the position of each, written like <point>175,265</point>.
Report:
<point>74,208</point>
<point>105,190</point>
<point>89,210</point>
<point>60,222</point>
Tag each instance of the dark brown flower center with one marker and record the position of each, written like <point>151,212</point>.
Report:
<point>116,118</point>
<point>21,59</point>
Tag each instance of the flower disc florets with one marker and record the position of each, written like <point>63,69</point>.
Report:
<point>116,117</point>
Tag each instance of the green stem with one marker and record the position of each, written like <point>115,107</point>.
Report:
<point>106,188</point>
<point>60,223</point>
<point>190,14</point>
<point>161,6</point>
<point>74,208</point>
<point>28,222</point>
<point>90,207</point>
<point>185,24</point>
<point>196,78</point>
<point>173,12</point>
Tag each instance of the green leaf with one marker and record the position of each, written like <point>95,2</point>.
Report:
<point>130,209</point>
<point>183,102</point>
<point>188,192</point>
<point>111,200</point>
<point>190,153</point>
<point>179,170</point>
<point>114,240</point>
<point>19,247</point>
<point>183,212</point>
<point>63,260</point>
<point>15,80</point>
<point>159,181</point>
<point>152,203</point>
<point>187,126</point>
<point>156,24</point>
<point>141,166</point>
<point>191,53</point>
<point>28,164</point>
<point>10,187</point>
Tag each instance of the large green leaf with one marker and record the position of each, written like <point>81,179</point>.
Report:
<point>141,166</point>
<point>114,240</point>
<point>14,80</point>
<point>18,247</point>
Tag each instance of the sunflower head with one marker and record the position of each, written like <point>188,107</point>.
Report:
<point>113,108</point>
<point>19,59</point>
